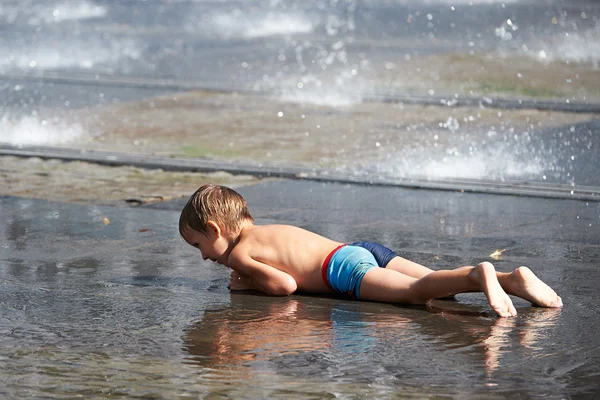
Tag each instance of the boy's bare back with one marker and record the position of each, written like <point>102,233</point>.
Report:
<point>295,251</point>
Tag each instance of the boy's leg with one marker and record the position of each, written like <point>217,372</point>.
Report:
<point>382,284</point>
<point>522,282</point>
<point>408,267</point>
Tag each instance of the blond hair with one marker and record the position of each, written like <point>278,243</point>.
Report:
<point>215,203</point>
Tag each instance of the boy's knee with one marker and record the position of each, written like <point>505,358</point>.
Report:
<point>415,296</point>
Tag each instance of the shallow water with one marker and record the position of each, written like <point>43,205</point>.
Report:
<point>127,309</point>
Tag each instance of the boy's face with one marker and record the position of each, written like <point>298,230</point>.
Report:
<point>212,245</point>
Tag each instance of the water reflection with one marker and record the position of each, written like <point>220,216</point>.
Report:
<point>90,309</point>
<point>340,341</point>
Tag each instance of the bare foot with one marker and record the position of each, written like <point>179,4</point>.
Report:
<point>485,274</point>
<point>525,284</point>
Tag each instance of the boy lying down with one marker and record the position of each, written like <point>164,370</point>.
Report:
<point>281,259</point>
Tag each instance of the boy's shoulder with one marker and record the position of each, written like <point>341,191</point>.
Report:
<point>259,237</point>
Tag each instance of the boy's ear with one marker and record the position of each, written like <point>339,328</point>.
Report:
<point>214,228</point>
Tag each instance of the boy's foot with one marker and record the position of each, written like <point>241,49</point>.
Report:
<point>525,284</point>
<point>485,274</point>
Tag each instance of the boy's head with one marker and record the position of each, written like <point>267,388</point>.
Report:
<point>216,203</point>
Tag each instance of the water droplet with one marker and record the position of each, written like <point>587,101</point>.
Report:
<point>429,17</point>
<point>452,124</point>
<point>554,20</point>
<point>431,92</point>
<point>280,114</point>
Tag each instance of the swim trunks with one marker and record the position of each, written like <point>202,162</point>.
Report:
<point>382,254</point>
<point>345,267</point>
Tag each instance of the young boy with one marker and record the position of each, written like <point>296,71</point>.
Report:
<point>281,259</point>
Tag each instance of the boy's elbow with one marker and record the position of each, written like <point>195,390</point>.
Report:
<point>285,288</point>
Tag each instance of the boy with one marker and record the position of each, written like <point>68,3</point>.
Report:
<point>280,259</point>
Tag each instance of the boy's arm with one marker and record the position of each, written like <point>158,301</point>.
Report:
<point>251,274</point>
<point>241,282</point>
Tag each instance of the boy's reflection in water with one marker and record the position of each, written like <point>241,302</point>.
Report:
<point>255,328</point>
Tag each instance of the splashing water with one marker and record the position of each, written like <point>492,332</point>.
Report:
<point>67,11</point>
<point>240,24</point>
<point>325,74</point>
<point>52,12</point>
<point>66,54</point>
<point>31,130</point>
<point>579,47</point>
<point>497,161</point>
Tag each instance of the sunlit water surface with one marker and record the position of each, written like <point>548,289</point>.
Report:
<point>100,301</point>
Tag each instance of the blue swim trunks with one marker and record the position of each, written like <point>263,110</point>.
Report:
<point>382,254</point>
<point>345,267</point>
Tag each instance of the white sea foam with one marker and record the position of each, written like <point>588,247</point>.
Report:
<point>236,24</point>
<point>32,130</point>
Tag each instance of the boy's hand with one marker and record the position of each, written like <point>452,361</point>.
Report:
<point>240,282</point>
